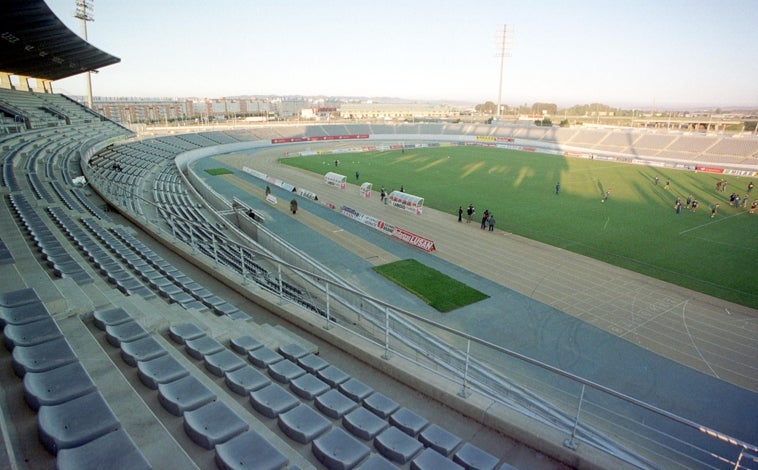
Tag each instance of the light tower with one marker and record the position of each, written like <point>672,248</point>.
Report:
<point>84,13</point>
<point>504,40</point>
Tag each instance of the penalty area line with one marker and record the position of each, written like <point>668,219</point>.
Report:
<point>720,219</point>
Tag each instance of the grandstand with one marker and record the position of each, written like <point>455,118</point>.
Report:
<point>157,327</point>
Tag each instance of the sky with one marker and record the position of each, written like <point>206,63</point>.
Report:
<point>643,53</point>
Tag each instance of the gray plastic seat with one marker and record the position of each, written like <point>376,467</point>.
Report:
<point>312,363</point>
<point>142,349</point>
<point>115,450</point>
<point>408,421</point>
<point>19,297</point>
<point>213,424</point>
<point>396,445</point>
<point>182,332</point>
<point>42,357</point>
<point>202,346</point>
<point>338,450</point>
<point>380,405</point>
<point>285,371</point>
<point>272,400</point>
<point>246,379</point>
<point>334,404</point>
<point>185,394</point>
<point>124,332</point>
<point>25,313</point>
<point>308,386</point>
<point>162,369</point>
<point>332,375</point>
<point>262,357</point>
<point>364,424</point>
<point>429,459</point>
<point>112,316</point>
<point>302,424</point>
<point>376,462</point>
<point>249,451</point>
<point>355,389</point>
<point>222,362</point>
<point>246,343</point>
<point>439,439</point>
<point>75,422</point>
<point>30,334</point>
<point>293,351</point>
<point>474,458</point>
<point>56,386</point>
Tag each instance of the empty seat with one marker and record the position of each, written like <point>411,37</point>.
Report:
<point>182,395</point>
<point>355,389</point>
<point>302,424</point>
<point>213,424</point>
<point>222,362</point>
<point>364,424</point>
<point>42,357</point>
<point>201,346</point>
<point>30,334</point>
<point>75,422</point>
<point>18,297</point>
<point>244,380</point>
<point>284,371</point>
<point>431,460</point>
<point>439,439</point>
<point>334,404</point>
<point>162,369</point>
<point>408,421</point>
<point>182,332</point>
<point>312,363</point>
<point>246,343</point>
<point>332,375</point>
<point>262,357</point>
<point>249,451</point>
<point>25,313</point>
<point>293,351</point>
<point>113,316</point>
<point>308,386</point>
<point>396,445</point>
<point>338,450</point>
<point>474,458</point>
<point>124,332</point>
<point>56,386</point>
<point>272,400</point>
<point>142,349</point>
<point>380,405</point>
<point>115,450</point>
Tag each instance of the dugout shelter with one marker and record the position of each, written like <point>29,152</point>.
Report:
<point>406,201</point>
<point>335,179</point>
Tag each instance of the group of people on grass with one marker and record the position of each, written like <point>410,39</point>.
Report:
<point>488,219</point>
<point>735,200</point>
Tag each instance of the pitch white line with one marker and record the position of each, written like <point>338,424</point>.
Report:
<point>692,340</point>
<point>715,221</point>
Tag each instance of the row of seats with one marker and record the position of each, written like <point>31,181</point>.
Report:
<point>207,421</point>
<point>339,415</point>
<point>52,251</point>
<point>74,421</point>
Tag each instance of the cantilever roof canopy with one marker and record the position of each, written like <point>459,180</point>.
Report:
<point>35,43</point>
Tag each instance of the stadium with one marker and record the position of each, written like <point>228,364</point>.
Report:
<point>164,305</point>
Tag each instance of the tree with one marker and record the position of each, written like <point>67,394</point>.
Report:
<point>487,108</point>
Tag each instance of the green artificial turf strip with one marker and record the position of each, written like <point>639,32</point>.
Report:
<point>637,228</point>
<point>436,289</point>
<point>218,171</point>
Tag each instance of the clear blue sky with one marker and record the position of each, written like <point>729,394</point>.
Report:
<point>645,53</point>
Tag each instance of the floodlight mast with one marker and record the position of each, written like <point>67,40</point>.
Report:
<point>503,52</point>
<point>84,13</point>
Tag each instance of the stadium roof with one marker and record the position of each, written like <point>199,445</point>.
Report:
<point>35,43</point>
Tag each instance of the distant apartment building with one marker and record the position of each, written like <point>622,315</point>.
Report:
<point>396,111</point>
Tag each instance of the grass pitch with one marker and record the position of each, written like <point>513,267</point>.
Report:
<point>433,287</point>
<point>637,228</point>
<point>218,171</point>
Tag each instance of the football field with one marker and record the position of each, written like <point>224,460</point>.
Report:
<point>637,227</point>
